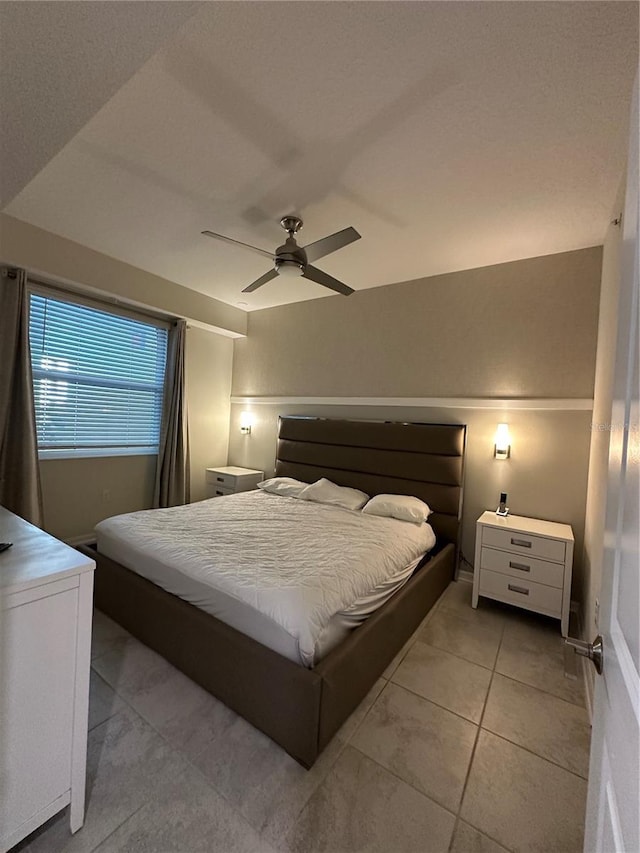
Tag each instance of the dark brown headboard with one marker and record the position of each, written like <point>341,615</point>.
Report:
<point>425,460</point>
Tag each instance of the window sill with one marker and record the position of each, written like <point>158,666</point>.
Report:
<point>90,452</point>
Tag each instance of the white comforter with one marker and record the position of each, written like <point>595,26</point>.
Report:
<point>298,563</point>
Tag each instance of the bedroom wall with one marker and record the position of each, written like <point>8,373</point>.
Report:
<point>55,257</point>
<point>521,329</point>
<point>209,359</point>
<point>513,342</point>
<point>78,493</point>
<point>602,403</point>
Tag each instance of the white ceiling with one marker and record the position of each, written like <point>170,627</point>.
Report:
<point>451,135</point>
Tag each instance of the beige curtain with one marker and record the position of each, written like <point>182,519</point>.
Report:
<point>172,474</point>
<point>19,473</point>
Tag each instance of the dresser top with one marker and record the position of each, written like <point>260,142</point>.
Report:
<point>533,526</point>
<point>35,557</point>
<point>234,471</point>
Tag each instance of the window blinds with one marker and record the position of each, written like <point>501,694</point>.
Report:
<point>98,379</point>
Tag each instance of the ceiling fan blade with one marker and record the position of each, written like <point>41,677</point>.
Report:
<point>260,281</point>
<point>262,252</point>
<point>331,243</point>
<point>320,277</point>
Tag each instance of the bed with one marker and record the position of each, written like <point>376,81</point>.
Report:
<point>301,708</point>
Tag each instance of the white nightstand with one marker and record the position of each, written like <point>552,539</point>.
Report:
<point>230,480</point>
<point>526,562</point>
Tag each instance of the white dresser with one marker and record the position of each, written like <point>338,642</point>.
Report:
<point>45,648</point>
<point>526,562</point>
<point>230,479</point>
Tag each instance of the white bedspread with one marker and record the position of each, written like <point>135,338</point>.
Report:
<point>297,563</point>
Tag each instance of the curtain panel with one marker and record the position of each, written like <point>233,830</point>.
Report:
<point>20,489</point>
<point>172,487</point>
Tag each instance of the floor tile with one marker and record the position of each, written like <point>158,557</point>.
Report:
<point>395,663</point>
<point>447,680</point>
<point>424,745</point>
<point>185,714</point>
<point>264,783</point>
<point>127,765</point>
<point>490,613</point>
<point>105,634</point>
<point>362,807</point>
<point>532,651</point>
<point>464,635</point>
<point>104,702</point>
<point>522,801</point>
<point>550,727</point>
<point>188,815</point>
<point>457,596</point>
<point>466,839</point>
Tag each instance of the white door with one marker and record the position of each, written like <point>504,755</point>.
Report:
<point>613,805</point>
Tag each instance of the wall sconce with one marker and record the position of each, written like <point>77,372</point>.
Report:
<point>246,422</point>
<point>502,446</point>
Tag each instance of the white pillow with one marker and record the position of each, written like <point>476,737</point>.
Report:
<point>286,486</point>
<point>325,492</point>
<point>402,507</point>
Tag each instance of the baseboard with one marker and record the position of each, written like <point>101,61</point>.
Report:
<point>464,575</point>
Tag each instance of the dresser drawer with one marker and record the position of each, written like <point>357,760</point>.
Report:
<point>524,543</point>
<point>523,593</point>
<point>523,567</point>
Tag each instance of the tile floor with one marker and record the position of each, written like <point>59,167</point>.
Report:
<point>473,741</point>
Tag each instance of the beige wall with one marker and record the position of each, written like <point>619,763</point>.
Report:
<point>602,406</point>
<point>78,493</point>
<point>209,359</point>
<point>522,329</point>
<point>55,257</point>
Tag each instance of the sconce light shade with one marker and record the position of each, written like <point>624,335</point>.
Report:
<point>246,422</point>
<point>502,446</point>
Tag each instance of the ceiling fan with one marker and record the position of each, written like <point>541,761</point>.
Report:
<point>292,260</point>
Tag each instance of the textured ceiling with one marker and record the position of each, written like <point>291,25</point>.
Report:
<point>59,63</point>
<point>451,135</point>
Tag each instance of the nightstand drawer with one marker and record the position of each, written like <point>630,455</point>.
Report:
<point>233,478</point>
<point>220,481</point>
<point>523,593</point>
<point>218,491</point>
<point>522,566</point>
<point>524,543</point>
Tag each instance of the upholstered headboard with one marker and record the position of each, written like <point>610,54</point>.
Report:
<point>425,460</point>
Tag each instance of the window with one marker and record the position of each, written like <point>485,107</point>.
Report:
<point>98,379</point>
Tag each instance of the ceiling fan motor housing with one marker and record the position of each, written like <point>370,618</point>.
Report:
<point>290,258</point>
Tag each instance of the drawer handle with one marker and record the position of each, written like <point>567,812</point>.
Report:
<point>520,566</point>
<point>523,543</point>
<point>519,589</point>
<point>221,480</point>
<point>219,493</point>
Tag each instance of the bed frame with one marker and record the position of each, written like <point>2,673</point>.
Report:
<point>301,709</point>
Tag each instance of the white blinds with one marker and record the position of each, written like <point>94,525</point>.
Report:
<point>98,378</point>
